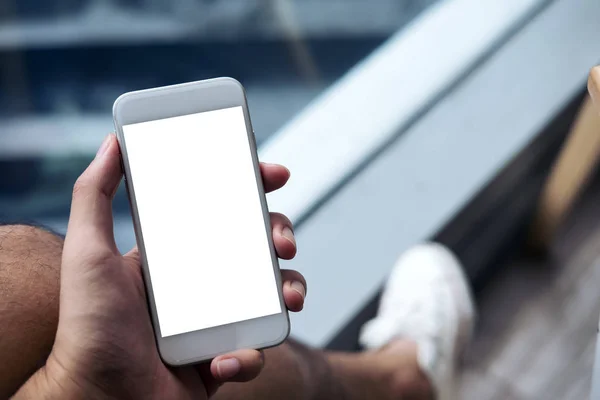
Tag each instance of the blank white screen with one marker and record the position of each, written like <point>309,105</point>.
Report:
<point>201,220</point>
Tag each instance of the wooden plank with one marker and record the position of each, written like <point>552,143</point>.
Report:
<point>594,85</point>
<point>537,330</point>
<point>569,175</point>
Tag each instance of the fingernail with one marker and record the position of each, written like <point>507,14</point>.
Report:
<point>228,368</point>
<point>104,146</point>
<point>287,233</point>
<point>298,287</point>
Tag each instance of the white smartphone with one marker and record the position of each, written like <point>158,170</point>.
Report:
<point>201,220</point>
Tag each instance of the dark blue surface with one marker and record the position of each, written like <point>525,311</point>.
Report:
<point>84,79</point>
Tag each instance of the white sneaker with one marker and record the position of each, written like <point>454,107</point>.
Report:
<point>426,299</point>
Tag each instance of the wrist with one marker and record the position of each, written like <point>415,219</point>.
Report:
<point>53,382</point>
<point>44,387</point>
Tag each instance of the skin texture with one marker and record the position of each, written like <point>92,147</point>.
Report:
<point>29,282</point>
<point>30,262</point>
<point>104,346</point>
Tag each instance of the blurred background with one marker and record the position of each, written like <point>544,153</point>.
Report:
<point>461,121</point>
<point>64,62</point>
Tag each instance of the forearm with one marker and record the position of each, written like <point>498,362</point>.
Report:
<point>29,282</point>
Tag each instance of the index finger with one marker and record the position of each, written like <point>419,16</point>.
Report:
<point>274,176</point>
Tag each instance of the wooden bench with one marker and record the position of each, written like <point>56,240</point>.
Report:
<point>574,166</point>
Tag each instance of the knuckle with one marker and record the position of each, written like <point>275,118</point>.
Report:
<point>91,256</point>
<point>85,187</point>
<point>80,188</point>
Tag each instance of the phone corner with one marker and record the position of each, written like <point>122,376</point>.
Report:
<point>285,333</point>
<point>118,104</point>
<point>232,81</point>
<point>227,80</point>
<point>166,357</point>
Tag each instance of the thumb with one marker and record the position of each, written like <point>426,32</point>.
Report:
<point>91,208</point>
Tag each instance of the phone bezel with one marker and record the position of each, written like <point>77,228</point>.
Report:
<point>177,100</point>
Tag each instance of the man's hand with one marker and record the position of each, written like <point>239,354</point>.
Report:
<point>105,345</point>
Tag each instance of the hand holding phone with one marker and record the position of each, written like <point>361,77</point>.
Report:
<point>105,345</point>
<point>201,220</point>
